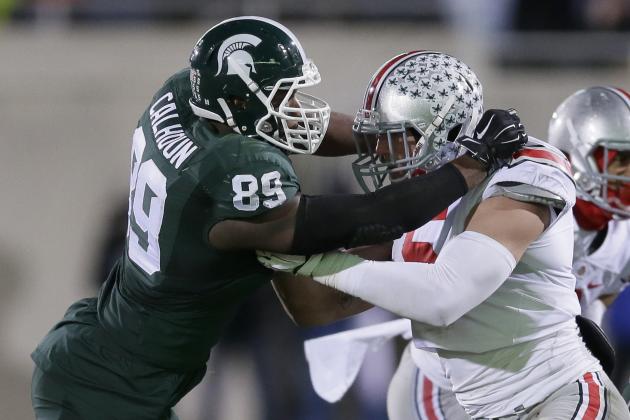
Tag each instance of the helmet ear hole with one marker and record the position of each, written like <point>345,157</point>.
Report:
<point>237,102</point>
<point>453,133</point>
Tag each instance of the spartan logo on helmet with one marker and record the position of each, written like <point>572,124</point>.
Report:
<point>233,50</point>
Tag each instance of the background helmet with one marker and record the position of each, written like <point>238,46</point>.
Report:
<point>593,126</point>
<point>426,91</point>
<point>245,72</point>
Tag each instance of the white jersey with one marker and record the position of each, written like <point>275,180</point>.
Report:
<point>607,269</point>
<point>522,343</point>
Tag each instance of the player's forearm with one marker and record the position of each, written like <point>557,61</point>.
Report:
<point>309,303</point>
<point>338,140</point>
<point>468,270</point>
<point>328,222</point>
<point>378,252</point>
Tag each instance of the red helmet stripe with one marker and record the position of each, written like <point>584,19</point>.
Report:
<point>624,94</point>
<point>377,78</point>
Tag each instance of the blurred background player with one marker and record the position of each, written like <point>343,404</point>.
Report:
<point>210,182</point>
<point>512,350</point>
<point>618,328</point>
<point>592,127</point>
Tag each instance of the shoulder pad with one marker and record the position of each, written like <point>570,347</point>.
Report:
<point>531,194</point>
<point>538,173</point>
<point>542,153</point>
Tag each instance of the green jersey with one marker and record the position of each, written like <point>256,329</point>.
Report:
<point>169,297</point>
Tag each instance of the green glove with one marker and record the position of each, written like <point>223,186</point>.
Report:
<point>287,263</point>
<point>311,266</point>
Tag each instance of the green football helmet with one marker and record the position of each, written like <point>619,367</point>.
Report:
<point>246,72</point>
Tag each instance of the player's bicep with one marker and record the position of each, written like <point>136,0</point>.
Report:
<point>253,204</point>
<point>514,224</point>
<point>269,231</point>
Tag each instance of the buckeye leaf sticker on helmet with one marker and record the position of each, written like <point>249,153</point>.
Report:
<point>411,105</point>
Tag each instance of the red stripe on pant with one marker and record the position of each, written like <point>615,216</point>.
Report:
<point>593,398</point>
<point>427,398</point>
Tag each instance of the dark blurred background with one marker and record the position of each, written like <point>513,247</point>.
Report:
<point>75,76</point>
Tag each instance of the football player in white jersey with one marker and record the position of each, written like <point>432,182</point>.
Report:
<point>492,300</point>
<point>592,127</point>
<point>583,125</point>
<point>590,124</point>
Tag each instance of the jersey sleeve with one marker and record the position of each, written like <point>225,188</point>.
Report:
<point>260,179</point>
<point>539,174</point>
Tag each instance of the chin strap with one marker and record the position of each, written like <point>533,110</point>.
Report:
<point>589,216</point>
<point>228,115</point>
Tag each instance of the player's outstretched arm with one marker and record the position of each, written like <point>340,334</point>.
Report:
<point>339,138</point>
<point>312,224</point>
<point>467,271</point>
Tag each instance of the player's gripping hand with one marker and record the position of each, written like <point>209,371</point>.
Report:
<point>311,266</point>
<point>497,136</point>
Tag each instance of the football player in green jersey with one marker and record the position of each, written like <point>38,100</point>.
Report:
<point>210,183</point>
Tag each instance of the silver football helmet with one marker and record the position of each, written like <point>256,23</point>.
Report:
<point>427,92</point>
<point>592,126</point>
